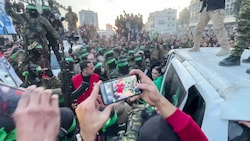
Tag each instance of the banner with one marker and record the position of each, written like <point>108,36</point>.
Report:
<point>6,25</point>
<point>6,66</point>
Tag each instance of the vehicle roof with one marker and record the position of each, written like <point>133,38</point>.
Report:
<point>232,83</point>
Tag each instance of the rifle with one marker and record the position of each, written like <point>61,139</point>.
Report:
<point>66,83</point>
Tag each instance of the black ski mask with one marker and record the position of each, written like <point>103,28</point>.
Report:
<point>33,13</point>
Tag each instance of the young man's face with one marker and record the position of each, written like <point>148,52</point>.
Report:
<point>90,69</point>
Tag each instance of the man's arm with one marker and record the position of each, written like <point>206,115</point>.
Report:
<point>50,28</point>
<point>13,14</point>
<point>76,17</point>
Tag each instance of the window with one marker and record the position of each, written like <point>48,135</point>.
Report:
<point>161,22</point>
<point>173,89</point>
<point>238,132</point>
<point>195,105</point>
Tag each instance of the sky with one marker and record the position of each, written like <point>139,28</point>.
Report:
<point>108,10</point>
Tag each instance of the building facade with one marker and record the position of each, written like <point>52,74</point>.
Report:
<point>164,21</point>
<point>88,17</point>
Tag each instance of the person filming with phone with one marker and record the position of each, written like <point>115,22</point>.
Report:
<point>40,108</point>
<point>172,123</point>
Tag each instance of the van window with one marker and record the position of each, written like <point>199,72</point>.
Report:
<point>238,132</point>
<point>54,62</point>
<point>173,88</point>
<point>195,105</point>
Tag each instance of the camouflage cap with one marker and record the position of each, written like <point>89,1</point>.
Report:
<point>31,7</point>
<point>35,45</point>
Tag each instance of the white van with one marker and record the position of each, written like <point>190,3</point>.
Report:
<point>215,97</point>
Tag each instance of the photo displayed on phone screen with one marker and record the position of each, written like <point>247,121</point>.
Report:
<point>9,97</point>
<point>120,89</point>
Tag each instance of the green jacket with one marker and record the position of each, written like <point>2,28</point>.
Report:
<point>158,82</point>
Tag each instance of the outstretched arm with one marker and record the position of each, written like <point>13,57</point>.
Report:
<point>12,13</point>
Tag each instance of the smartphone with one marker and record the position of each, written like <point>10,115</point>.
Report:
<point>9,97</point>
<point>119,89</point>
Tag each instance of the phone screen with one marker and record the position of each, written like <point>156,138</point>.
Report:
<point>119,89</point>
<point>9,97</point>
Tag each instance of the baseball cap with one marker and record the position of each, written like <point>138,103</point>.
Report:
<point>157,129</point>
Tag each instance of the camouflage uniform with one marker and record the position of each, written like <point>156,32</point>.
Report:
<point>35,30</point>
<point>133,125</point>
<point>72,19</point>
<point>243,35</point>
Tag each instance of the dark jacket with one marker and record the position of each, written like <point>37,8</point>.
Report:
<point>213,4</point>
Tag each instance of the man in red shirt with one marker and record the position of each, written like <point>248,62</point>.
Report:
<point>86,75</point>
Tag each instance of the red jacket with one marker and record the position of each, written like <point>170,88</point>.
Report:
<point>187,129</point>
<point>77,81</point>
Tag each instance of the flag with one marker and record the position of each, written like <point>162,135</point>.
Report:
<point>6,25</point>
<point>6,66</point>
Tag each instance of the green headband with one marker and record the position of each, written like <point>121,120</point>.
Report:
<point>4,136</point>
<point>83,55</point>
<point>14,56</point>
<point>122,64</point>
<point>108,52</point>
<point>142,47</point>
<point>31,7</point>
<point>138,58</point>
<point>110,61</point>
<point>72,127</point>
<point>131,52</point>
<point>99,49</point>
<point>98,65</point>
<point>84,50</point>
<point>111,121</point>
<point>38,68</point>
<point>69,59</point>
<point>46,7</point>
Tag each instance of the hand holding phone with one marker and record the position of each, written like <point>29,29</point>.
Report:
<point>120,89</point>
<point>9,97</point>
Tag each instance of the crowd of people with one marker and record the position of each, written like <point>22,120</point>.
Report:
<point>80,110</point>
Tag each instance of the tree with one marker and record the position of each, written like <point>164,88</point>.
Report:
<point>184,17</point>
